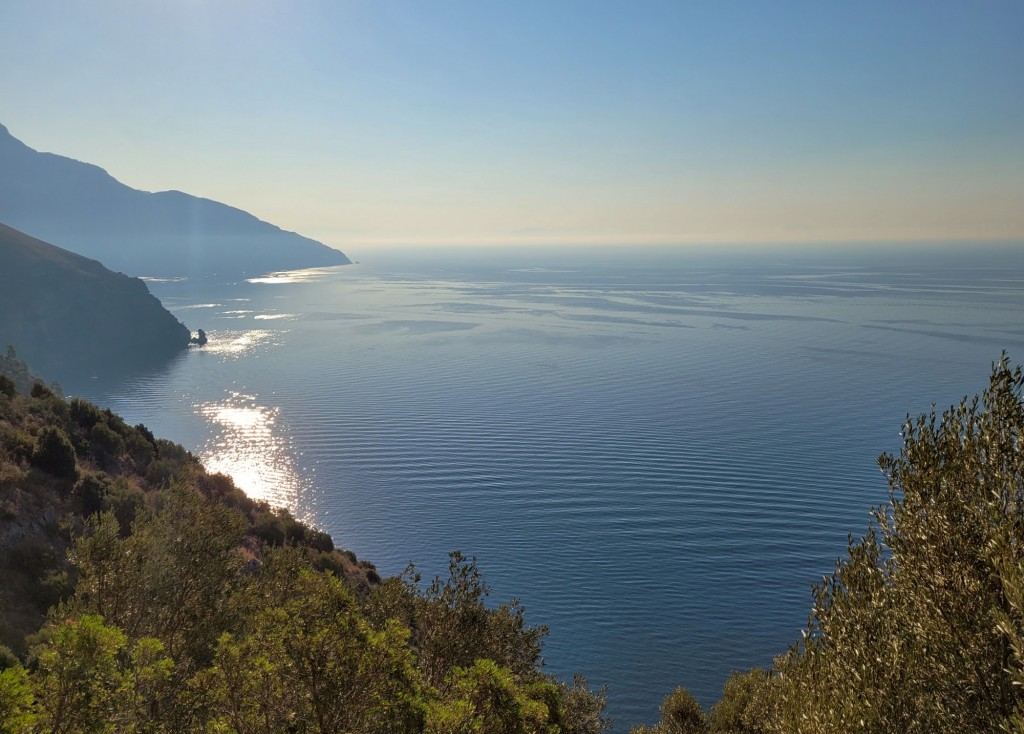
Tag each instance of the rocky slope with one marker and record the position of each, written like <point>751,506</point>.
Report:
<point>71,318</point>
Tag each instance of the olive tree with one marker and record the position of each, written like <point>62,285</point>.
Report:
<point>919,628</point>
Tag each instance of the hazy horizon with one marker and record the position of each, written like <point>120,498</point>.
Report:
<point>363,124</point>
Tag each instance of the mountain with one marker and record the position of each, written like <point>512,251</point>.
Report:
<point>82,207</point>
<point>71,318</point>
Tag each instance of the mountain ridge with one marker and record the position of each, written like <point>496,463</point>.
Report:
<point>82,207</point>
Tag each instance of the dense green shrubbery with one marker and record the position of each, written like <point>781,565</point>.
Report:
<point>181,605</point>
<point>54,453</point>
<point>168,630</point>
<point>680,714</point>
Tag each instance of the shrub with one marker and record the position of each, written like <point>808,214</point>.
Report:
<point>107,445</point>
<point>7,658</point>
<point>916,629</point>
<point>18,444</point>
<point>125,501</point>
<point>267,527</point>
<point>741,710</point>
<point>84,413</point>
<point>161,472</point>
<point>681,714</point>
<point>32,556</point>
<point>319,540</point>
<point>54,454</point>
<point>141,451</point>
<point>90,491</point>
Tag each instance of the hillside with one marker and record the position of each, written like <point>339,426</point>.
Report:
<point>179,604</point>
<point>81,207</point>
<point>61,461</point>
<point>71,318</point>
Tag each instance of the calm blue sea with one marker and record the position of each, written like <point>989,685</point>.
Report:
<point>658,451</point>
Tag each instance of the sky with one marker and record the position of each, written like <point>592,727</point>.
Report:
<point>477,123</point>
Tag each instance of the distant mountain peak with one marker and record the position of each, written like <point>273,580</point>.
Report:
<point>81,207</point>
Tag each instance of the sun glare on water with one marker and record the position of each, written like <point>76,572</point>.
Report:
<point>293,276</point>
<point>250,448</point>
<point>237,343</point>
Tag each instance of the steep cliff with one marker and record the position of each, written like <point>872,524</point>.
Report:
<point>71,318</point>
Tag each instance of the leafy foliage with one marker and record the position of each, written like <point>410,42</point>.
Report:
<point>680,714</point>
<point>909,622</point>
<point>741,709</point>
<point>921,627</point>
<point>54,454</point>
<point>184,606</point>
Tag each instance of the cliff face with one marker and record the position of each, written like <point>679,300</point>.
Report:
<point>169,233</point>
<point>71,318</point>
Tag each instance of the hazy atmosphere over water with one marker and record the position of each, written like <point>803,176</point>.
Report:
<point>615,122</point>
<point>641,290</point>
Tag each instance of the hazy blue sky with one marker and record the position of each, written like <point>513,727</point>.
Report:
<point>478,122</point>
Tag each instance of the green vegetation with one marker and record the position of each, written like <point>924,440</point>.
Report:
<point>680,714</point>
<point>142,594</point>
<point>921,627</point>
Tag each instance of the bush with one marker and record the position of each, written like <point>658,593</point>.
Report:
<point>54,454</point>
<point>32,556</point>
<point>268,528</point>
<point>161,472</point>
<point>918,629</point>
<point>7,658</point>
<point>18,444</point>
<point>125,501</point>
<point>331,562</point>
<point>90,491</point>
<point>319,540</point>
<point>141,451</point>
<point>222,487</point>
<point>681,714</point>
<point>742,708</point>
<point>84,413</point>
<point>107,445</point>
<point>294,530</point>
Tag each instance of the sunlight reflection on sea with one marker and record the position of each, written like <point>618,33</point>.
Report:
<point>250,448</point>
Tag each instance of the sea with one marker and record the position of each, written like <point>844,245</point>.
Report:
<point>657,450</point>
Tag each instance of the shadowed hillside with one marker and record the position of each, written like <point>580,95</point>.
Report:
<point>71,318</point>
<point>169,233</point>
